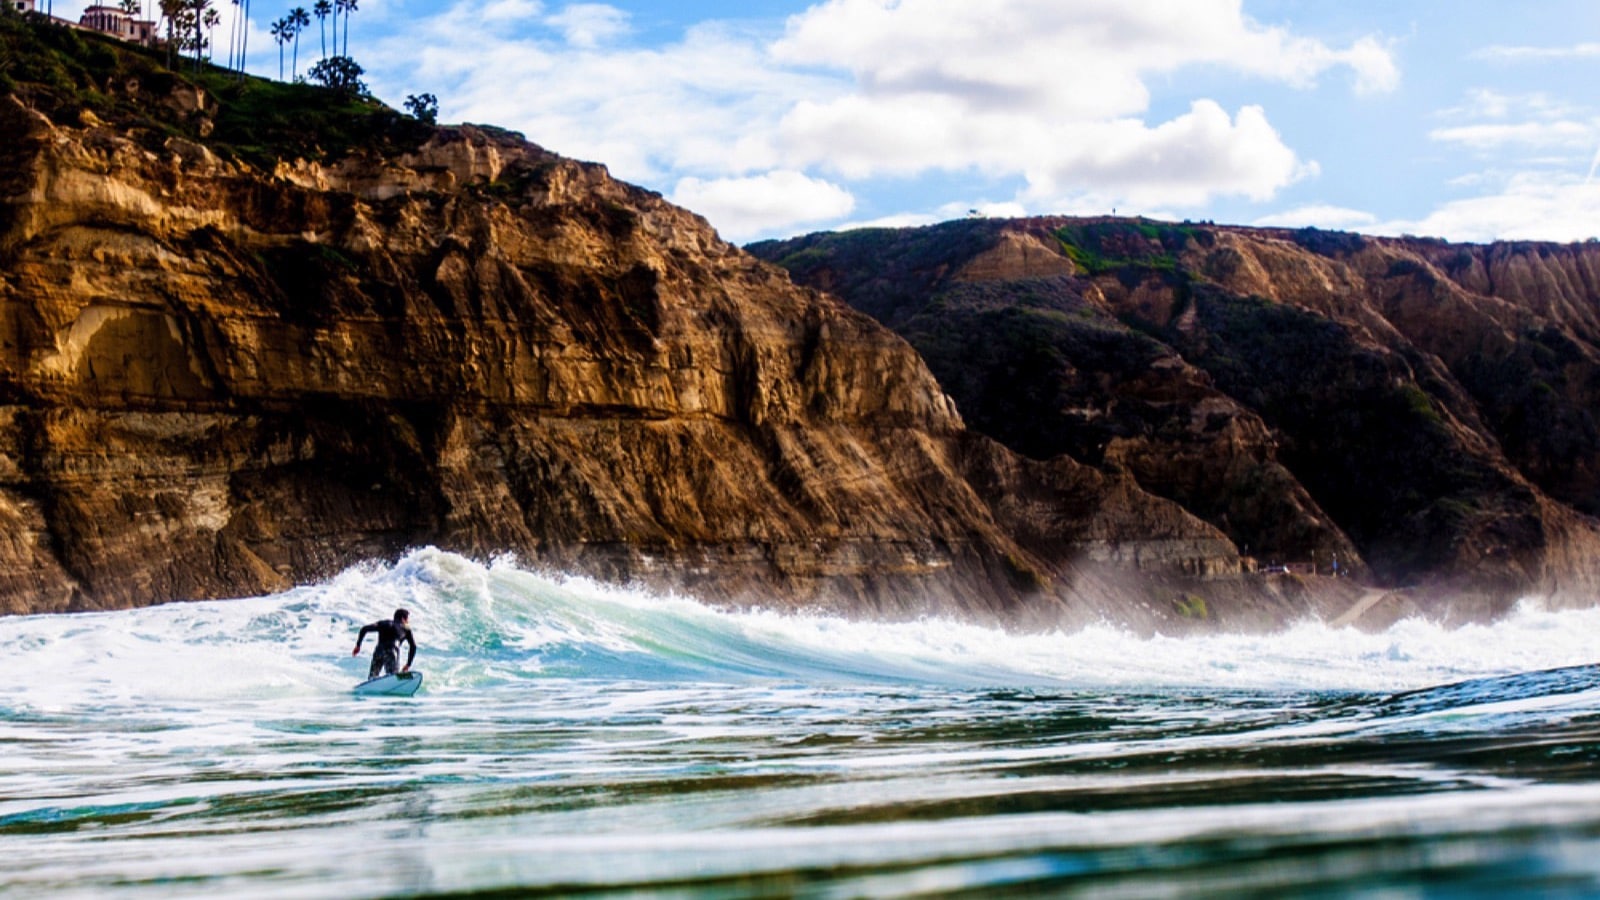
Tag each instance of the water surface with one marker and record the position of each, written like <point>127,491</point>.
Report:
<point>577,739</point>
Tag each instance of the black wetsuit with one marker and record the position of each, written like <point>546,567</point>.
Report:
<point>390,634</point>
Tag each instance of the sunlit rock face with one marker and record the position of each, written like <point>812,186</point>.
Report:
<point>220,379</point>
<point>1423,413</point>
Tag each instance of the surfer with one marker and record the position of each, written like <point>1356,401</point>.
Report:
<point>390,633</point>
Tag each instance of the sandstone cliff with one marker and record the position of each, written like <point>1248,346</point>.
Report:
<point>223,372</point>
<point>1420,411</point>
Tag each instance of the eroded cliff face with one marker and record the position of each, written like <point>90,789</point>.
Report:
<point>219,380</point>
<point>1420,411</point>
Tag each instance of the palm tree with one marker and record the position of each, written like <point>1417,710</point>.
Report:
<point>212,20</point>
<point>170,11</point>
<point>280,33</point>
<point>191,18</point>
<point>201,7</point>
<point>321,9</point>
<point>233,32</point>
<point>298,20</point>
<point>244,34</point>
<point>349,7</point>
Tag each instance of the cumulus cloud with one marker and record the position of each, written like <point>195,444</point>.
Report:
<point>704,105</point>
<point>1046,54</point>
<point>750,207</point>
<point>1528,206</point>
<point>1054,92</point>
<point>588,25</point>
<point>510,10</point>
<point>1183,162</point>
<point>1051,96</point>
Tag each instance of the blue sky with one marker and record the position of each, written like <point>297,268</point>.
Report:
<point>1467,119</point>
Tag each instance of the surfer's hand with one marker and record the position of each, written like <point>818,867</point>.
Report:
<point>406,669</point>
<point>356,652</point>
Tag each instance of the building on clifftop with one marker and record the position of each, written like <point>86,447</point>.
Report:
<point>115,22</point>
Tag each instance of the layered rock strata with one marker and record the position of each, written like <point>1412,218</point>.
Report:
<point>218,380</point>
<point>1420,412</point>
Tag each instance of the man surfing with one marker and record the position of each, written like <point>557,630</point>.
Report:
<point>390,633</point>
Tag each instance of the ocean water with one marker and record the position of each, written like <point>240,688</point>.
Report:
<point>576,739</point>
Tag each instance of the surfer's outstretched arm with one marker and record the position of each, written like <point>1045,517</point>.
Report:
<point>412,653</point>
<point>363,636</point>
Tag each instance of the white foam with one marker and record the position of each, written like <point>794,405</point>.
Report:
<point>481,623</point>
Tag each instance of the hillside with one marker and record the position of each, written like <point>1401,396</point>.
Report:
<point>1420,411</point>
<point>252,333</point>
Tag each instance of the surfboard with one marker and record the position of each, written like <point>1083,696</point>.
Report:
<point>403,684</point>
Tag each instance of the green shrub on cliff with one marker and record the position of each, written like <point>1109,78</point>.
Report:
<point>1098,248</point>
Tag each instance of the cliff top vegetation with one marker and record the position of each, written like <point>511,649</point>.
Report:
<point>65,73</point>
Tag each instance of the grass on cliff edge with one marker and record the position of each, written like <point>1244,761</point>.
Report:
<point>63,72</point>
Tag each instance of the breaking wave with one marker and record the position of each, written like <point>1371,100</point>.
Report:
<point>481,625</point>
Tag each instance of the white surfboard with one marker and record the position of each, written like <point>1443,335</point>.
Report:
<point>403,684</point>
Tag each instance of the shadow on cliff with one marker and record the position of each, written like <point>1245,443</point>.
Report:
<point>1411,412</point>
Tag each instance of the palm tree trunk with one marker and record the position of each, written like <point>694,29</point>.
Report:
<point>295,68</point>
<point>244,36</point>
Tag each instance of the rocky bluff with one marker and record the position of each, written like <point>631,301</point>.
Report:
<point>1421,413</point>
<point>226,368</point>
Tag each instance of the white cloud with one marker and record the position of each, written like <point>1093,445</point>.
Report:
<point>1088,58</point>
<point>944,213</point>
<point>1319,216</point>
<point>1528,134</point>
<point>588,25</point>
<point>1538,54</point>
<point>1528,206</point>
<point>1487,103</point>
<point>745,208</point>
<point>898,220</point>
<point>1373,63</point>
<point>984,208</point>
<point>1184,162</point>
<point>1053,92</point>
<point>511,10</point>
<point>1053,96</point>
<point>703,106</point>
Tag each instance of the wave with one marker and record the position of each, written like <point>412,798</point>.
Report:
<point>487,624</point>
